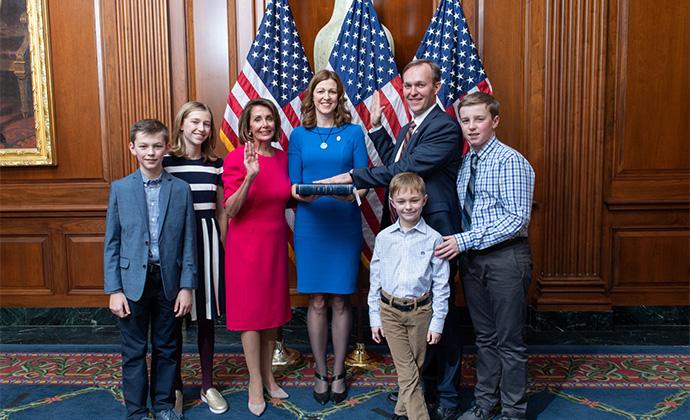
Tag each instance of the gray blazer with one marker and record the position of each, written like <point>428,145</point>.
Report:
<point>127,237</point>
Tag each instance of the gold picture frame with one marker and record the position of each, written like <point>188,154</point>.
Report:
<point>29,35</point>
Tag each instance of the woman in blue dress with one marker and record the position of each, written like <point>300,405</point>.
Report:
<point>328,230</point>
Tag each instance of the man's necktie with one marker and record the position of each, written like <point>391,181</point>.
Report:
<point>469,195</point>
<point>410,129</point>
<point>408,136</point>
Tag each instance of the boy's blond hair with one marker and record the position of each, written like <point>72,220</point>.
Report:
<point>406,181</point>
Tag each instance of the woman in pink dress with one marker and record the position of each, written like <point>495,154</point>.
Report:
<point>257,189</point>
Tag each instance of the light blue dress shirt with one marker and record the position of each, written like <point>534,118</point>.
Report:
<point>404,266</point>
<point>152,188</point>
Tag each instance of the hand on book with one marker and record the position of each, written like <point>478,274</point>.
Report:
<point>345,178</point>
<point>303,198</point>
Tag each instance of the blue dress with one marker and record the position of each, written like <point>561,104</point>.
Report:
<point>328,231</point>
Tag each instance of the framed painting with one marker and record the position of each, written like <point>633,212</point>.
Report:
<point>26,95</point>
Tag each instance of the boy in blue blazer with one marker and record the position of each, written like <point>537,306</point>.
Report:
<point>149,269</point>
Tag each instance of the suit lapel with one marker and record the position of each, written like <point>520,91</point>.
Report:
<point>164,198</point>
<point>140,196</point>
<point>399,140</point>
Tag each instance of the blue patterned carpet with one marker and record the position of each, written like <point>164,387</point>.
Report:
<point>613,383</point>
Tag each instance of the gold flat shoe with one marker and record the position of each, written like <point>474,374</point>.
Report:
<point>214,399</point>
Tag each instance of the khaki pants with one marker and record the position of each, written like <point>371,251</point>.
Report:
<point>406,335</point>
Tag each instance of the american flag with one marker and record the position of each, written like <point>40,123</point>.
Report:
<point>448,42</point>
<point>362,58</point>
<point>276,69</point>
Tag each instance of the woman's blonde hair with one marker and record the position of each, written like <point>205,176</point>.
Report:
<point>177,145</point>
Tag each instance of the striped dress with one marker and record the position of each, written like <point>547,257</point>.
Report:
<point>204,177</point>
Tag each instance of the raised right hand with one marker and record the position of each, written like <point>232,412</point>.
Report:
<point>376,110</point>
<point>251,160</point>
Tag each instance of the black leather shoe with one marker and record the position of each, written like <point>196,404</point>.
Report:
<point>440,413</point>
<point>393,396</point>
<point>339,397</point>
<point>321,397</point>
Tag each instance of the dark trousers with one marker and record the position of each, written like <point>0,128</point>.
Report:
<point>156,309</point>
<point>442,366</point>
<point>496,281</point>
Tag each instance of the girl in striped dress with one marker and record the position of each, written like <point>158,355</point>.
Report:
<point>192,159</point>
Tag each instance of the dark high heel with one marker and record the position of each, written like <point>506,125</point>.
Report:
<point>339,397</point>
<point>321,397</point>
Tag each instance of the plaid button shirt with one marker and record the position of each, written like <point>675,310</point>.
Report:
<point>504,187</point>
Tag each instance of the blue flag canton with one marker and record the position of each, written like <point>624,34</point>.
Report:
<point>277,55</point>
<point>361,56</point>
<point>448,42</point>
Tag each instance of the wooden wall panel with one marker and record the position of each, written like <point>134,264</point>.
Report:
<point>143,54</point>
<point>84,263</point>
<point>52,261</point>
<point>641,256</point>
<point>24,258</point>
<point>573,147</point>
<point>647,153</point>
<point>208,22</point>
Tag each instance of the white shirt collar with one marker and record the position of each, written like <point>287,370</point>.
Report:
<point>418,120</point>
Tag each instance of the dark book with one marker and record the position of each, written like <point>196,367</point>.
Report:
<point>324,189</point>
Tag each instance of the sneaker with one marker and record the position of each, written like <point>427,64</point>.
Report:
<point>476,413</point>
<point>170,414</point>
<point>214,399</point>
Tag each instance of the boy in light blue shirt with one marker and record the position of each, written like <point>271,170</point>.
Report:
<point>408,292</point>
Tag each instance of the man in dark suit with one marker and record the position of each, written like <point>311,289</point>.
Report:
<point>429,146</point>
